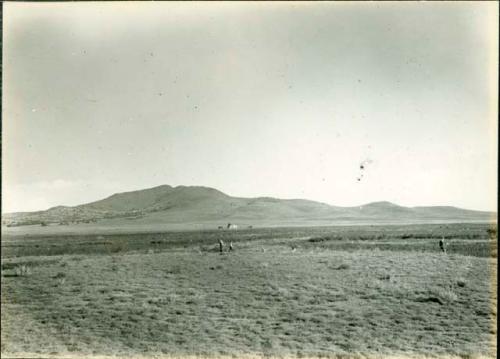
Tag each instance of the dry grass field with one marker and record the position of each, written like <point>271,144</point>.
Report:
<point>310,292</point>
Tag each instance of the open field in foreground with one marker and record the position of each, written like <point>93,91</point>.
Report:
<point>310,292</point>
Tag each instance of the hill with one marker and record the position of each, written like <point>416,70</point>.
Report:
<point>196,204</point>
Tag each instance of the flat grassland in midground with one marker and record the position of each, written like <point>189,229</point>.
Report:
<point>301,292</point>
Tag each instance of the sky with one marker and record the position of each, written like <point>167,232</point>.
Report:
<point>343,103</point>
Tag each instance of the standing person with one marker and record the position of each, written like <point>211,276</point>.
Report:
<point>231,246</point>
<point>221,246</point>
<point>441,245</point>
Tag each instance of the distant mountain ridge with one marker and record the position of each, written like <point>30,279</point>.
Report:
<point>188,204</point>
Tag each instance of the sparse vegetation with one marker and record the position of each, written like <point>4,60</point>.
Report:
<point>22,271</point>
<point>343,266</point>
<point>177,297</point>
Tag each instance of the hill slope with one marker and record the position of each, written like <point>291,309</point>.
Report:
<point>182,204</point>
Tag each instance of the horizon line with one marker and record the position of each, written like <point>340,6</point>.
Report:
<point>235,196</point>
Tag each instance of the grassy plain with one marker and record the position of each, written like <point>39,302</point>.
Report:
<point>357,291</point>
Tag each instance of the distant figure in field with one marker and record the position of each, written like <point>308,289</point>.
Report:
<point>221,245</point>
<point>230,246</point>
<point>442,245</point>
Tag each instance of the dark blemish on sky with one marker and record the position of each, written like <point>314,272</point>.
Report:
<point>362,167</point>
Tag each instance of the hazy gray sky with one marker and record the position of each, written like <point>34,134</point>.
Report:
<point>254,99</point>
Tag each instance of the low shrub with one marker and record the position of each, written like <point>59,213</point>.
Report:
<point>22,271</point>
<point>447,295</point>
<point>342,266</point>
